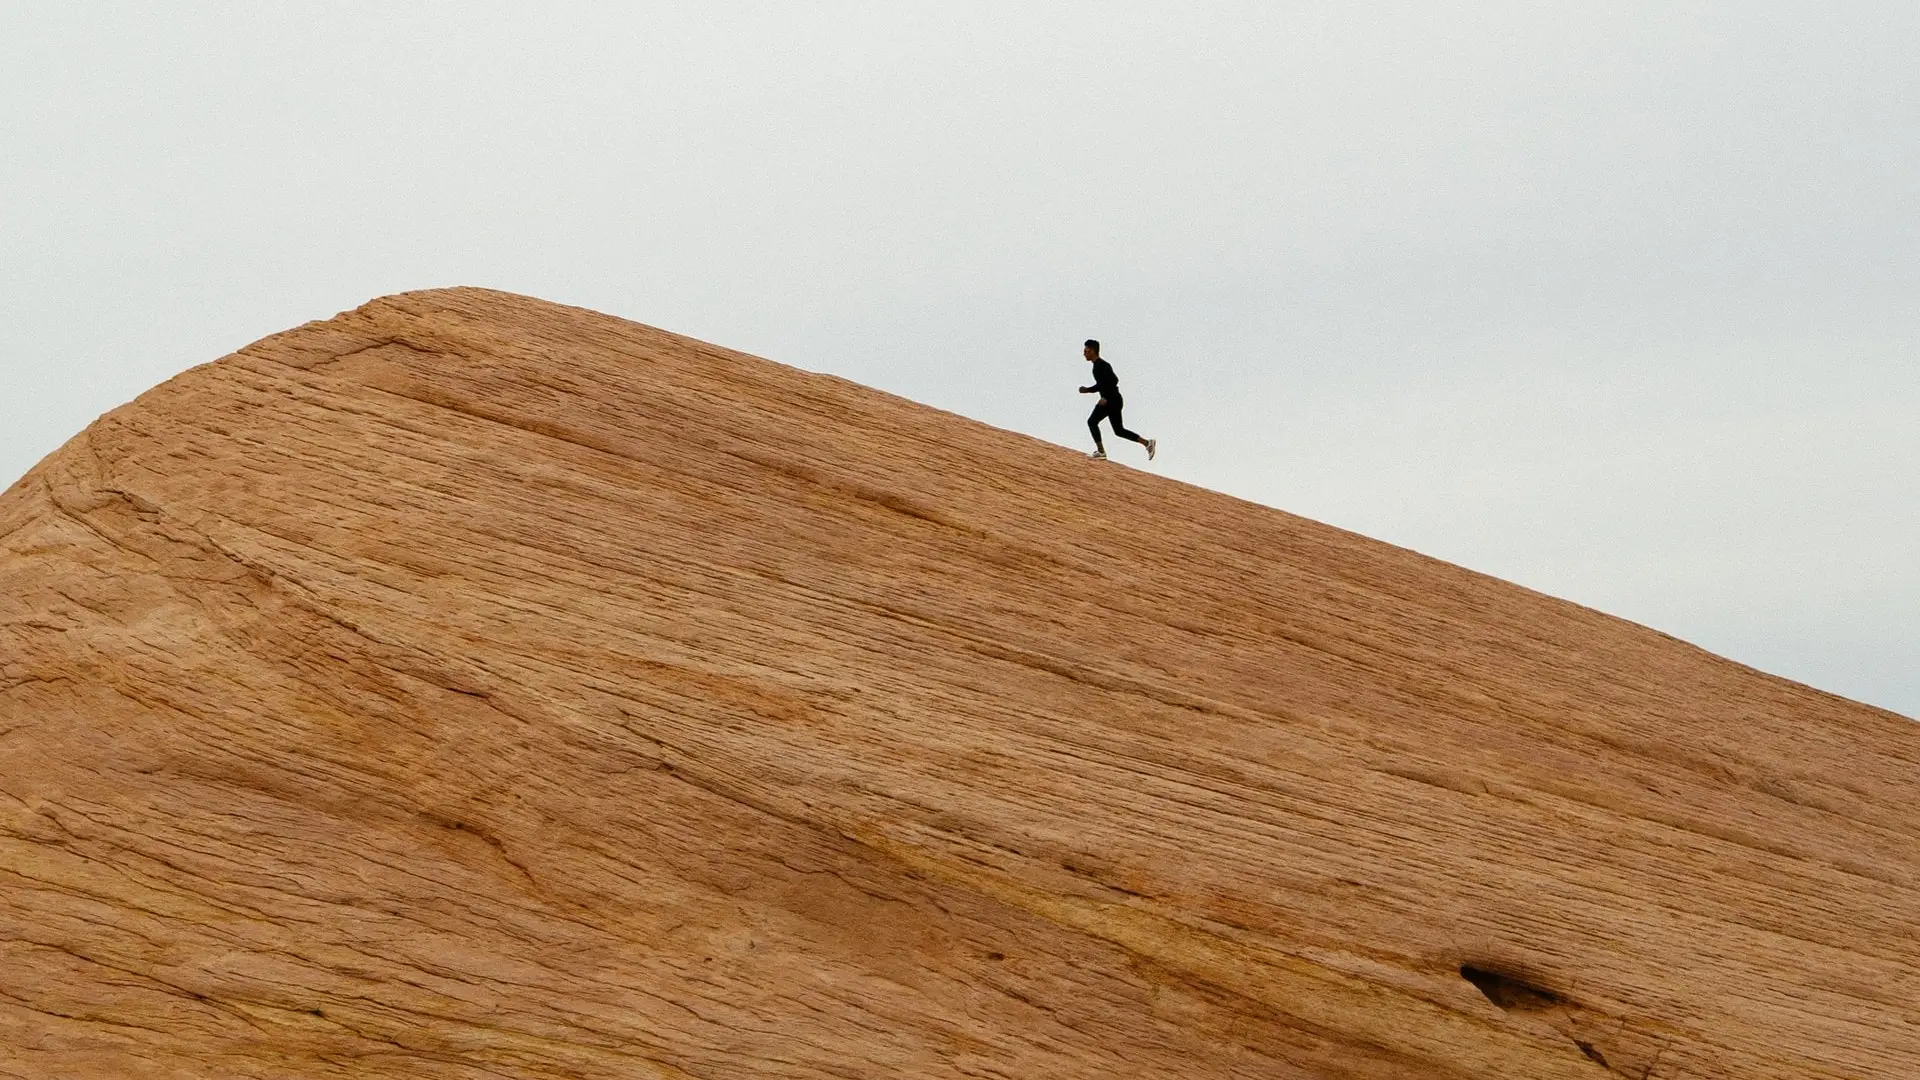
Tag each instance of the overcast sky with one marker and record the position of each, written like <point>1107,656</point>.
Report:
<point>1619,301</point>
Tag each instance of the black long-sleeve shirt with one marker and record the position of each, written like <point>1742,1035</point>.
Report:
<point>1105,381</point>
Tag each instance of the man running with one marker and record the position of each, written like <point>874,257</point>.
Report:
<point>1107,385</point>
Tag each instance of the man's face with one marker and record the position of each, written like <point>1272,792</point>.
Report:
<point>1087,351</point>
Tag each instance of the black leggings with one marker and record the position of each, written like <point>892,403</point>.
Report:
<point>1109,409</point>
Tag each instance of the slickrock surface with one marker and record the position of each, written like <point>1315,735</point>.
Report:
<point>470,686</point>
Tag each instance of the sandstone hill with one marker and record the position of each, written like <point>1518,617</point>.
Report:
<point>470,686</point>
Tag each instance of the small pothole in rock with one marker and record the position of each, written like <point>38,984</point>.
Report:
<point>1510,992</point>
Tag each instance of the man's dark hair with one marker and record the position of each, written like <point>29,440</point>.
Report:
<point>1094,345</point>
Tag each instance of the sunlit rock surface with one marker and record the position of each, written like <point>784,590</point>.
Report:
<point>473,686</point>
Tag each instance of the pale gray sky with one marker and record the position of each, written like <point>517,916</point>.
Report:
<point>1614,300</point>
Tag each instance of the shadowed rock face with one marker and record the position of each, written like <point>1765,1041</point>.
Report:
<point>471,686</point>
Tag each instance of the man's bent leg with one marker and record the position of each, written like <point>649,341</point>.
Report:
<point>1120,430</point>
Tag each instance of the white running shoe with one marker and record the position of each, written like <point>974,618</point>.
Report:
<point>1152,445</point>
<point>1100,454</point>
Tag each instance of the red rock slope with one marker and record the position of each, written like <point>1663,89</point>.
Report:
<point>470,686</point>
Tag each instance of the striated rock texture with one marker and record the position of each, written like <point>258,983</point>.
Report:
<point>470,686</point>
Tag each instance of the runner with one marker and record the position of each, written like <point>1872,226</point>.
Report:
<point>1107,385</point>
